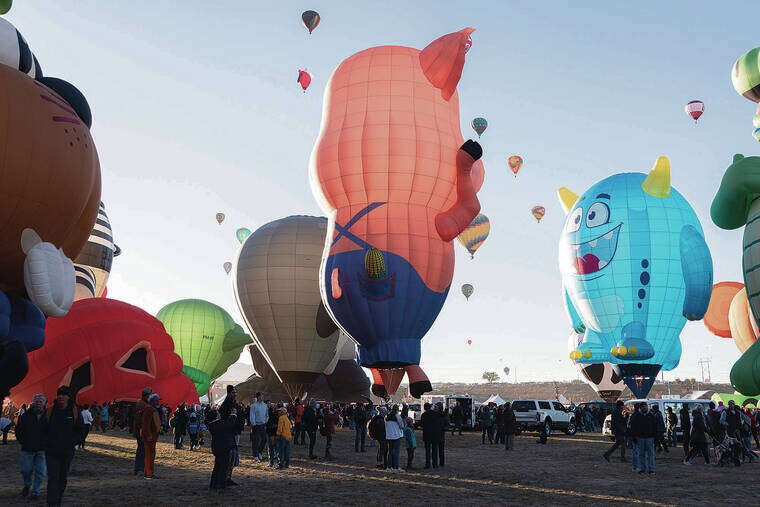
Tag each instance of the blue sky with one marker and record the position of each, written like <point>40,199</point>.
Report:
<point>196,109</point>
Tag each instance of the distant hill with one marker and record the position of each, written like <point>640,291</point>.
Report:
<point>575,391</point>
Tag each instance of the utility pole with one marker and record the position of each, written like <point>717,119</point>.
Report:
<point>705,363</point>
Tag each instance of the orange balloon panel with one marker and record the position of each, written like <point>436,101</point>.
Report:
<point>716,318</point>
<point>49,173</point>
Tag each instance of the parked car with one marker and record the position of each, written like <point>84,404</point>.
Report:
<point>676,404</point>
<point>532,414</point>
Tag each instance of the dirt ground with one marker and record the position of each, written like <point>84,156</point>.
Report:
<point>568,470</point>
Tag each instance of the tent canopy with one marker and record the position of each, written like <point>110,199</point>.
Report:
<point>495,399</point>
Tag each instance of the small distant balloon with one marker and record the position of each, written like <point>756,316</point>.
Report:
<point>467,44</point>
<point>242,234</point>
<point>310,20</point>
<point>227,267</point>
<point>220,218</point>
<point>506,370</point>
<point>479,125</point>
<point>467,290</point>
<point>515,162</point>
<point>475,234</point>
<point>469,342</point>
<point>538,212</point>
<point>304,79</point>
<point>694,109</point>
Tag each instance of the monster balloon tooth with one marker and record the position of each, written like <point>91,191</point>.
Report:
<point>635,267</point>
<point>398,182</point>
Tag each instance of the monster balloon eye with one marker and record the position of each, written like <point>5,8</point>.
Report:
<point>598,214</point>
<point>575,221</point>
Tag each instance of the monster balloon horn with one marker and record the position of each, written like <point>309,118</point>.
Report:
<point>635,267</point>
<point>398,184</point>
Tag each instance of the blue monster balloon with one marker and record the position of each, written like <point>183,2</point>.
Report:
<point>635,267</point>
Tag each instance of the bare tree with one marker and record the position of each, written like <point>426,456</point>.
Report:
<point>490,376</point>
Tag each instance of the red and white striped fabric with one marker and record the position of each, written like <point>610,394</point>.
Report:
<point>695,108</point>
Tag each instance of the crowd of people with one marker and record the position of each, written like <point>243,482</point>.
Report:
<point>729,430</point>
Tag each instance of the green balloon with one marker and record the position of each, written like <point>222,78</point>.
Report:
<point>206,338</point>
<point>745,75</point>
<point>5,6</point>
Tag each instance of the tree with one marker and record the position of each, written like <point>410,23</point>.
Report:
<point>490,376</point>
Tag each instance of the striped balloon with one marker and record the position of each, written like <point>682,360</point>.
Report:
<point>97,255</point>
<point>479,125</point>
<point>85,282</point>
<point>310,20</point>
<point>538,212</point>
<point>475,234</point>
<point>695,108</point>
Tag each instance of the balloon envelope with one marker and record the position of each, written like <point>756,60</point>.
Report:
<point>310,20</point>
<point>242,234</point>
<point>479,125</point>
<point>98,254</point>
<point>475,234</point>
<point>506,370</point>
<point>515,163</point>
<point>467,290</point>
<point>227,267</point>
<point>220,218</point>
<point>538,212</point>
<point>304,79</point>
<point>694,109</point>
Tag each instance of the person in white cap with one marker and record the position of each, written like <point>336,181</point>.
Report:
<point>30,433</point>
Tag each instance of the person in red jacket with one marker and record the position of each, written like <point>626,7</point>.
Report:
<point>329,419</point>
<point>297,417</point>
<point>151,427</point>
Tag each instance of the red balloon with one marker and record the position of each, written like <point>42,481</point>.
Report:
<point>469,342</point>
<point>304,79</point>
<point>106,350</point>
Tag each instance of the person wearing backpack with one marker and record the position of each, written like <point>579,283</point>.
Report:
<point>193,426</point>
<point>376,429</point>
<point>62,432</point>
<point>360,424</point>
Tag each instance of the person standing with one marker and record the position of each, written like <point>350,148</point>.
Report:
<point>86,424</point>
<point>360,426</point>
<point>284,435</point>
<point>394,432</point>
<point>228,405</point>
<point>62,431</point>
<point>149,431</point>
<point>457,418</point>
<point>377,433</point>
<point>510,426</point>
<point>671,426</point>
<point>222,445</point>
<point>618,430</point>
<point>698,437</point>
<point>660,443</point>
<point>271,429</point>
<point>330,419</point>
<point>486,424</point>
<point>6,425</point>
<point>30,433</point>
<point>179,423</point>
<point>685,419</point>
<point>498,424</point>
<point>431,434</point>
<point>298,420</point>
<point>309,418</point>
<point>411,442</point>
<point>258,417</point>
<point>444,426</point>
<point>139,468</point>
<point>104,417</point>
<point>643,429</point>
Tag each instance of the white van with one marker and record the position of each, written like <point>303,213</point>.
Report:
<point>674,403</point>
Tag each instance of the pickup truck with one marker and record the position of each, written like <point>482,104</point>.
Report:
<point>532,414</point>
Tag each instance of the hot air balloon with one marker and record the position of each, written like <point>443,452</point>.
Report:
<point>538,212</point>
<point>310,20</point>
<point>694,109</point>
<point>506,370</point>
<point>467,290</point>
<point>635,267</point>
<point>475,234</point>
<point>276,287</point>
<point>5,6</point>
<point>93,264</point>
<point>220,218</point>
<point>479,125</point>
<point>14,50</point>
<point>515,162</point>
<point>469,342</point>
<point>467,44</point>
<point>370,145</point>
<point>347,381</point>
<point>227,267</point>
<point>600,376</point>
<point>745,77</point>
<point>304,79</point>
<point>205,337</point>
<point>106,349</point>
<point>242,234</point>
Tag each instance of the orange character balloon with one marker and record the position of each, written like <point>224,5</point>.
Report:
<point>398,183</point>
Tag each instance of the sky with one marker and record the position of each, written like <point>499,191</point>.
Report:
<point>196,110</point>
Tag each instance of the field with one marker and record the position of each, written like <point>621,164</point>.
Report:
<point>568,470</point>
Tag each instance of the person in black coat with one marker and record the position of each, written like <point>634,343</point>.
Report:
<point>698,437</point>
<point>63,427</point>
<point>179,423</point>
<point>660,443</point>
<point>310,423</point>
<point>30,433</point>
<point>643,427</point>
<point>683,414</point>
<point>618,430</point>
<point>510,427</point>
<point>432,429</point>
<point>360,424</point>
<point>230,405</point>
<point>222,446</point>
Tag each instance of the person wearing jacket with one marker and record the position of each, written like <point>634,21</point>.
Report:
<point>618,429</point>
<point>410,442</point>
<point>150,428</point>
<point>230,403</point>
<point>298,420</point>
<point>457,417</point>
<point>30,433</point>
<point>179,423</point>
<point>376,429</point>
<point>486,424</point>
<point>445,423</point>
<point>330,419</point>
<point>643,426</point>
<point>104,417</point>
<point>284,436</point>
<point>222,446</point>
<point>510,426</point>
<point>660,443</point>
<point>671,424</point>
<point>193,429</point>
<point>432,424</point>
<point>686,428</point>
<point>139,468</point>
<point>86,424</point>
<point>730,420</point>
<point>258,418</point>
<point>62,431</point>
<point>394,432</point>
<point>698,437</point>
<point>271,430</point>
<point>360,425</point>
<point>309,419</point>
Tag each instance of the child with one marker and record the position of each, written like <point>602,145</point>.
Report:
<point>283,438</point>
<point>411,442</point>
<point>222,444</point>
<point>193,428</point>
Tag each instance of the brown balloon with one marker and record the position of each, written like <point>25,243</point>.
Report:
<point>49,173</point>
